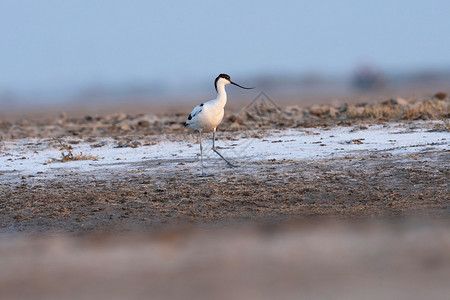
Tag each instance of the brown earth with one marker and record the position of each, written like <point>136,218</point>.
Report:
<point>378,185</point>
<point>345,188</point>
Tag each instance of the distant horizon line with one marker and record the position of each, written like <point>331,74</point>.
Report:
<point>166,87</point>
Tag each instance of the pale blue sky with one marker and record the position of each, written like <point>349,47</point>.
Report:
<point>55,45</point>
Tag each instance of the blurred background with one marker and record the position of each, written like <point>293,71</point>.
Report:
<point>107,53</point>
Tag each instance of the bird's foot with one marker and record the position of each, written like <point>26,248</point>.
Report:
<point>232,165</point>
<point>226,160</point>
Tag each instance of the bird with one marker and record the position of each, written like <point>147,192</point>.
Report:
<point>207,116</point>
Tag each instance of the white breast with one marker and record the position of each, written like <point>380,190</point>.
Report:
<point>210,117</point>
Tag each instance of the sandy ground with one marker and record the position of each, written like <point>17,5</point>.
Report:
<point>321,206</point>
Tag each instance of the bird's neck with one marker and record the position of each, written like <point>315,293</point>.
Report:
<point>221,95</point>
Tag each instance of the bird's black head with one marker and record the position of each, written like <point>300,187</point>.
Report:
<point>224,76</point>
<point>227,77</point>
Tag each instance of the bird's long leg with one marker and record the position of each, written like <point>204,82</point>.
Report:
<point>215,150</point>
<point>201,151</point>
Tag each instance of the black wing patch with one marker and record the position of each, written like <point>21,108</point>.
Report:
<point>193,115</point>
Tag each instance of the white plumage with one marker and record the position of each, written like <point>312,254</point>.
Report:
<point>207,116</point>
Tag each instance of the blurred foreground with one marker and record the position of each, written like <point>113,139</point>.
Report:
<point>318,260</point>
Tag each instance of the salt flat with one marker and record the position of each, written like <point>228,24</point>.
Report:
<point>180,154</point>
